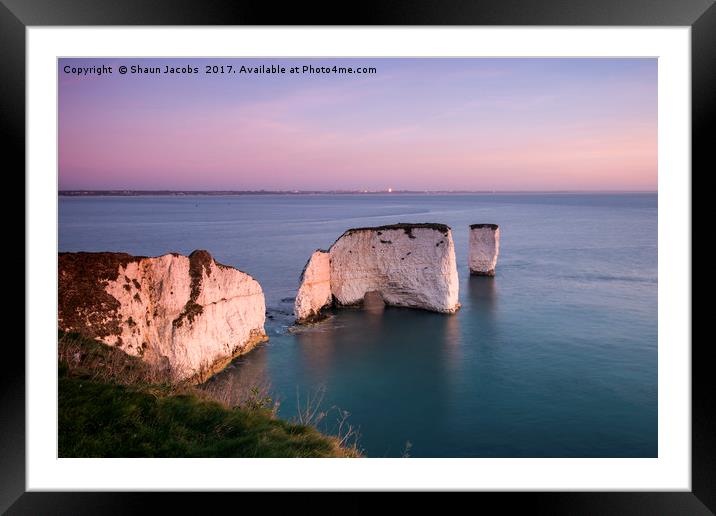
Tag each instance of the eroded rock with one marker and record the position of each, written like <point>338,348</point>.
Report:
<point>484,249</point>
<point>190,315</point>
<point>410,265</point>
<point>314,294</point>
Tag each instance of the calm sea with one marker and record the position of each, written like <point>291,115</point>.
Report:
<point>554,357</point>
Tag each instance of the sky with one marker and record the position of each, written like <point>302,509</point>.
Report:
<point>525,124</point>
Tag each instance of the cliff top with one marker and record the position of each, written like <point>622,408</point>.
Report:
<point>491,226</point>
<point>408,227</point>
<point>405,226</point>
<point>111,260</point>
<point>83,277</point>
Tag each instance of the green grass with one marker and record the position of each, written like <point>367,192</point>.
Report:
<point>102,416</point>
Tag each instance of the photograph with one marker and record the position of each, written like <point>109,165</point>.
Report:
<point>349,257</point>
<point>413,247</point>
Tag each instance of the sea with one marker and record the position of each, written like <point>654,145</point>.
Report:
<point>555,356</point>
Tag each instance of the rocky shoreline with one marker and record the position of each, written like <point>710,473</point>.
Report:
<point>190,316</point>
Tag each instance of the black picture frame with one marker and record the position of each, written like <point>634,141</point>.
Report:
<point>700,15</point>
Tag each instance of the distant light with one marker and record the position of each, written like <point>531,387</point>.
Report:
<point>390,190</point>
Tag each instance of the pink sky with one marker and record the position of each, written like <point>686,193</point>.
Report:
<point>417,124</point>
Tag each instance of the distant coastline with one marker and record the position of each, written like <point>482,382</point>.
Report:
<point>182,193</point>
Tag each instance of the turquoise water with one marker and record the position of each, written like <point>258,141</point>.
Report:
<point>556,356</point>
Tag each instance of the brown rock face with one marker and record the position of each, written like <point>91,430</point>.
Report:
<point>84,305</point>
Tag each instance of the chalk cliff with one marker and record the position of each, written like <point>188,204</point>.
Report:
<point>410,265</point>
<point>314,294</point>
<point>187,315</point>
<point>484,249</point>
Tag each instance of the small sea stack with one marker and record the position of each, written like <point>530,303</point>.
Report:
<point>408,265</point>
<point>484,249</point>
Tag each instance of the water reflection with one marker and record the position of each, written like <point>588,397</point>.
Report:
<point>471,337</point>
<point>234,384</point>
<point>453,348</point>
<point>481,327</point>
<point>483,294</point>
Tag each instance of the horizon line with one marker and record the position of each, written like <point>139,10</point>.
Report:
<point>129,192</point>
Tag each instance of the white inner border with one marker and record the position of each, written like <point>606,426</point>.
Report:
<point>671,470</point>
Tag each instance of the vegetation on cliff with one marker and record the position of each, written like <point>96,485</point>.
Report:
<point>113,405</point>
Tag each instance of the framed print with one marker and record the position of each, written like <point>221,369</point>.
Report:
<point>427,249</point>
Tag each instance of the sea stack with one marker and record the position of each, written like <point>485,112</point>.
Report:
<point>484,249</point>
<point>187,315</point>
<point>409,265</point>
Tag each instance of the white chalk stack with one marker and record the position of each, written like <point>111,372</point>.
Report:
<point>314,293</point>
<point>484,249</point>
<point>409,265</point>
